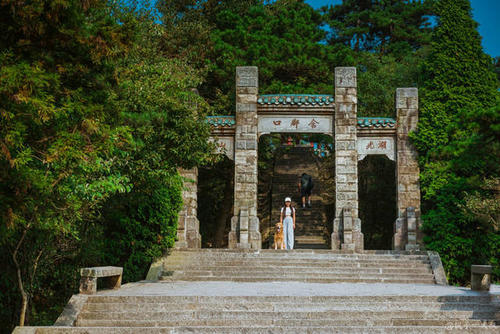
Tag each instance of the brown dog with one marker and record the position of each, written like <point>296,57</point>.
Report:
<point>278,236</point>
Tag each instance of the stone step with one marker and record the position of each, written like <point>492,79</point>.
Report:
<point>263,330</point>
<point>276,265</point>
<point>298,300</point>
<point>257,316</point>
<point>298,261</point>
<point>302,266</point>
<point>302,270</point>
<point>304,237</point>
<point>274,320</point>
<point>311,246</point>
<point>314,255</point>
<point>299,274</point>
<point>339,279</point>
<point>176,305</point>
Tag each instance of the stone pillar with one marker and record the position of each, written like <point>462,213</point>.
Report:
<point>407,231</point>
<point>411,225</point>
<point>245,223</point>
<point>188,227</point>
<point>346,163</point>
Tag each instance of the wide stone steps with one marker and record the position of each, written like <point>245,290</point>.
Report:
<point>102,314</point>
<point>298,266</point>
<point>249,314</point>
<point>265,330</point>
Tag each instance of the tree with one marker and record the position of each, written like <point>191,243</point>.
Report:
<point>460,86</point>
<point>58,132</point>
<point>157,100</point>
<point>283,39</point>
<point>390,27</point>
<point>93,117</point>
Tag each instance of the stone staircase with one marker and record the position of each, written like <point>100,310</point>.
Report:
<point>268,291</point>
<point>254,314</point>
<point>314,266</point>
<point>311,230</point>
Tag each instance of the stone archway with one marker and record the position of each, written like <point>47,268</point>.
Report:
<point>335,115</point>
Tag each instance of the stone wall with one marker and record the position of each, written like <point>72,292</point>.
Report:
<point>188,229</point>
<point>245,223</point>
<point>347,226</point>
<point>407,233</point>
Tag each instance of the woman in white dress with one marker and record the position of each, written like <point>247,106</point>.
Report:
<point>287,217</point>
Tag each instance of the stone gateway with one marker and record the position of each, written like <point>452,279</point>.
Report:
<point>355,138</point>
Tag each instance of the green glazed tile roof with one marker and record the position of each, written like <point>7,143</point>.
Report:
<point>314,100</point>
<point>221,121</point>
<point>376,122</point>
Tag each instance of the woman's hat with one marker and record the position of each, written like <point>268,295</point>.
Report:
<point>288,199</point>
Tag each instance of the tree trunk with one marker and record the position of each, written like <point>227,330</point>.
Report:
<point>24,295</point>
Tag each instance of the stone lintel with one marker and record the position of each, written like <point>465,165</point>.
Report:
<point>101,271</point>
<point>481,269</point>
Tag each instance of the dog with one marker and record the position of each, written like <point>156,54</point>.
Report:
<point>278,236</point>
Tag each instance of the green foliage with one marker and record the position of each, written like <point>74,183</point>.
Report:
<point>140,226</point>
<point>388,27</point>
<point>283,39</point>
<point>457,140</point>
<point>94,122</point>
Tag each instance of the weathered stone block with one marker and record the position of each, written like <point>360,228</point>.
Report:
<point>345,77</point>
<point>247,76</point>
<point>245,107</point>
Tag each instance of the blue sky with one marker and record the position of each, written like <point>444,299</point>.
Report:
<point>485,12</point>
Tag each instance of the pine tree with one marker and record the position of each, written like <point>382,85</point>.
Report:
<point>389,27</point>
<point>460,84</point>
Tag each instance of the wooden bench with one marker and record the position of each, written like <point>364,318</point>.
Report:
<point>89,276</point>
<point>480,277</point>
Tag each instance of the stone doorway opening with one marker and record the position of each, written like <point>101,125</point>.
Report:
<point>283,157</point>
<point>377,201</point>
<point>215,202</point>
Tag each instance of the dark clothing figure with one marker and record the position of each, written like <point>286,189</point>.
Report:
<point>306,185</point>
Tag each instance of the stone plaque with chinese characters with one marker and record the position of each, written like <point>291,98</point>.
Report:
<point>224,145</point>
<point>298,123</point>
<point>367,146</point>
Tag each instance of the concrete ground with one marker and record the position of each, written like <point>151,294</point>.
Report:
<point>145,288</point>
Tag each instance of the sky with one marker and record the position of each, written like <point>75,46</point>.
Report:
<point>485,12</point>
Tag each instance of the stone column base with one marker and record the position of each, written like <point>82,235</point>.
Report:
<point>399,238</point>
<point>253,234</point>
<point>336,234</point>
<point>193,239</point>
<point>255,240</point>
<point>338,237</point>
